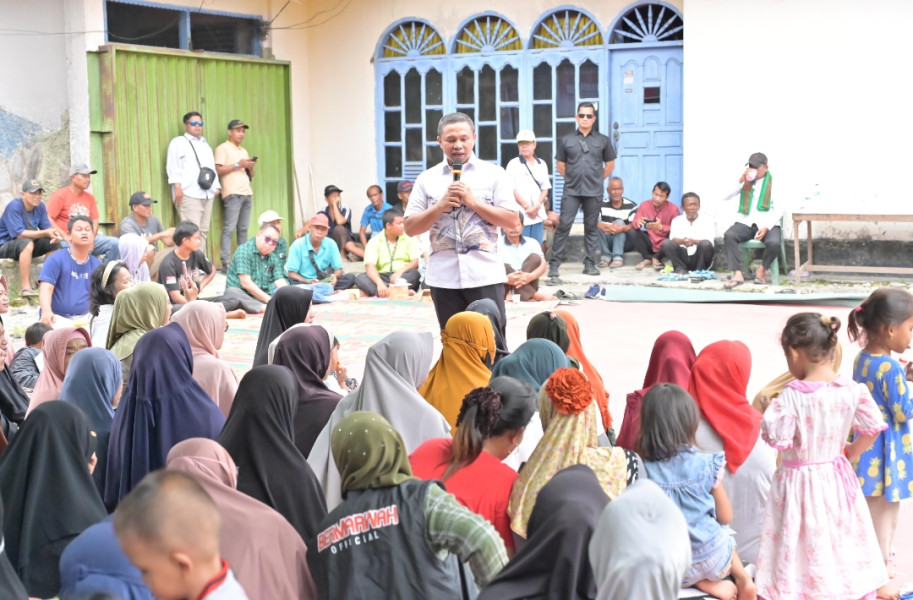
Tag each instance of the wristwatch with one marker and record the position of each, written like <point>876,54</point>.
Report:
<point>237,166</point>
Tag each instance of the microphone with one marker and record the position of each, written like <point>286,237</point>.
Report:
<point>457,169</point>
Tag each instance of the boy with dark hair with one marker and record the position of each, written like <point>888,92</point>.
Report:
<point>25,367</point>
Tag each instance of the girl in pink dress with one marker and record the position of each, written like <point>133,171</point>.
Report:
<point>818,540</point>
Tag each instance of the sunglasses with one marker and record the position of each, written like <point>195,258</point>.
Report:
<point>270,241</point>
<point>579,116</point>
<point>195,123</point>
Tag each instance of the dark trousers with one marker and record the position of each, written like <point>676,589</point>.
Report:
<point>739,233</point>
<point>364,283</point>
<point>642,243</point>
<point>530,264</point>
<point>569,207</point>
<point>448,302</point>
<point>344,281</point>
<point>681,261</point>
<point>341,236</point>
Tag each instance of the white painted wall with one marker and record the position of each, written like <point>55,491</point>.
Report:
<point>821,86</point>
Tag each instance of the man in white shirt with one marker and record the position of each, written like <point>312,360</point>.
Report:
<point>690,243</point>
<point>531,185</point>
<point>524,264</point>
<point>463,217</point>
<point>188,155</point>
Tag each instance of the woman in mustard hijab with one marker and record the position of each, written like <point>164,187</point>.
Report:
<point>465,363</point>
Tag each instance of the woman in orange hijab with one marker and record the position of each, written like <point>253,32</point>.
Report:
<point>575,350</point>
<point>465,363</point>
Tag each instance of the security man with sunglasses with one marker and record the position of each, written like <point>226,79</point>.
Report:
<point>585,158</point>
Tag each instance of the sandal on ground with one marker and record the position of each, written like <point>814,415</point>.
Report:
<point>28,293</point>
<point>616,263</point>
<point>604,263</point>
<point>759,281</point>
<point>562,295</point>
<point>643,264</point>
<point>733,283</point>
<point>658,265</point>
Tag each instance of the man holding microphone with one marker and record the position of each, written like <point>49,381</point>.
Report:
<point>462,202</point>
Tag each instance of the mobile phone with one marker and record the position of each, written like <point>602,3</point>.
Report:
<point>186,273</point>
<point>650,220</point>
<point>254,158</point>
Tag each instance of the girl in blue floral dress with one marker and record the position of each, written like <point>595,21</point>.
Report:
<point>883,324</point>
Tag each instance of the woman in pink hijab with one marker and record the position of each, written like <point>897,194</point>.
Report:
<point>266,553</point>
<point>204,323</point>
<point>58,348</point>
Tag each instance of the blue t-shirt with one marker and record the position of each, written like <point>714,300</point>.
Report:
<point>373,217</point>
<point>327,258</point>
<point>71,282</point>
<point>13,222</point>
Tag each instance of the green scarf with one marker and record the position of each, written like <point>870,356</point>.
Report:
<point>137,310</point>
<point>763,197</point>
<point>369,453</point>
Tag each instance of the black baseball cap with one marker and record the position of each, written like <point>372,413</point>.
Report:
<point>330,189</point>
<point>237,123</point>
<point>141,198</point>
<point>31,186</point>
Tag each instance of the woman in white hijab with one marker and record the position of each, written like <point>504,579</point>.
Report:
<point>394,369</point>
<point>640,549</point>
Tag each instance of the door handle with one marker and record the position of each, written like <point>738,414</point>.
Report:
<point>615,137</point>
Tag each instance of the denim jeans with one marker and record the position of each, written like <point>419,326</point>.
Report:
<point>534,231</point>
<point>235,215</point>
<point>614,244</point>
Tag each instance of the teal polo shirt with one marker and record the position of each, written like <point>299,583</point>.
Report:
<point>327,258</point>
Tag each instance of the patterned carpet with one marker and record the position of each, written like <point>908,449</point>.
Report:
<point>357,325</point>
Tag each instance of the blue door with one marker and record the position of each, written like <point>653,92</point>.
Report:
<point>646,96</point>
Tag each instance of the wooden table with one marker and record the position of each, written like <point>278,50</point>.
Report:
<point>808,216</point>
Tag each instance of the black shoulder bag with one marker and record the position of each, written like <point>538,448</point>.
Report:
<point>207,176</point>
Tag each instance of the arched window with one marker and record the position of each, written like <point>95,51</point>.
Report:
<point>486,66</point>
<point>648,23</point>
<point>410,65</point>
<point>566,29</point>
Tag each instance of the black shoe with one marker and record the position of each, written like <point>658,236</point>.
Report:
<point>590,270</point>
<point>554,280</point>
<point>553,273</point>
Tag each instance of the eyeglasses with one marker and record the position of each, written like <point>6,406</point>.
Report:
<point>270,241</point>
<point>195,123</point>
<point>579,116</point>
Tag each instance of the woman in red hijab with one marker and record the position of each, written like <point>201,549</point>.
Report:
<point>575,350</point>
<point>670,362</point>
<point>719,380</point>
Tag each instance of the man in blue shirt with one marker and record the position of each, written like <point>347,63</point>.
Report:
<point>65,276</point>
<point>26,232</point>
<point>373,216</point>
<point>314,258</point>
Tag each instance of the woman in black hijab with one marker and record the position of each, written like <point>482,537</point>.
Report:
<point>554,561</point>
<point>487,307</point>
<point>290,305</point>
<point>10,586</point>
<point>259,436</point>
<point>50,497</point>
<point>306,351</point>
<point>13,401</point>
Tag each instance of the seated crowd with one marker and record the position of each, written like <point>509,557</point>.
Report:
<point>486,474</point>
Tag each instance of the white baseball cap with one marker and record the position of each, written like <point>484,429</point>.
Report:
<point>526,135</point>
<point>268,217</point>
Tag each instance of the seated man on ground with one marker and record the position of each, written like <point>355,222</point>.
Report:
<point>655,216</point>
<point>256,271</point>
<point>403,191</point>
<point>27,233</point>
<point>64,280</point>
<point>390,257</point>
<point>314,258</point>
<point>615,216</point>
<point>525,264</point>
<point>143,223</point>
<point>372,217</point>
<point>340,222</point>
<point>74,199</point>
<point>273,218</point>
<point>690,243</point>
<point>27,364</point>
<point>757,219</point>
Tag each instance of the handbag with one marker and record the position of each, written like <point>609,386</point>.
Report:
<point>207,176</point>
<point>321,274</point>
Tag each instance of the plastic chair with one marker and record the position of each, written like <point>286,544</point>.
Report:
<point>776,265</point>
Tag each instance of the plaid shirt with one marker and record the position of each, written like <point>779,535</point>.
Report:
<point>454,528</point>
<point>263,270</point>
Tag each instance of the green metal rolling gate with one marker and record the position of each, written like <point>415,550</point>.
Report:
<point>138,96</point>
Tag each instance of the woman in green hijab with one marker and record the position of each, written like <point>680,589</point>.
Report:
<point>387,537</point>
<point>547,325</point>
<point>137,310</point>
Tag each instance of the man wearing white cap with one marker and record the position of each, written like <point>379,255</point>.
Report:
<point>274,219</point>
<point>531,185</point>
<point>75,199</point>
